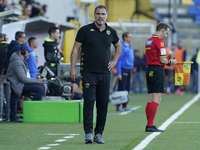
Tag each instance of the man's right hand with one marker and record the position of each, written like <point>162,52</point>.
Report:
<point>119,77</point>
<point>173,62</point>
<point>73,74</point>
<point>40,80</point>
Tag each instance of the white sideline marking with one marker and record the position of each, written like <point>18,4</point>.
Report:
<point>149,138</point>
<point>127,112</point>
<point>60,140</point>
<point>53,144</point>
<point>60,134</point>
<point>68,137</point>
<point>44,148</point>
<point>185,122</point>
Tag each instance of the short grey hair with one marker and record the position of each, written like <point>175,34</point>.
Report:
<point>100,7</point>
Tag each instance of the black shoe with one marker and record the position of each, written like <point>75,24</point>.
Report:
<point>152,129</point>
<point>98,139</point>
<point>13,119</point>
<point>88,138</point>
<point>19,116</point>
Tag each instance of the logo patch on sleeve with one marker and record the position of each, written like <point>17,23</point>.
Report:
<point>163,51</point>
<point>149,42</point>
<point>162,44</point>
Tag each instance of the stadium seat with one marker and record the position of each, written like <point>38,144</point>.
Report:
<point>159,17</point>
<point>197,19</point>
<point>193,10</point>
<point>197,2</point>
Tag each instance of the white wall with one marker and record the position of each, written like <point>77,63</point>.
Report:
<point>59,10</point>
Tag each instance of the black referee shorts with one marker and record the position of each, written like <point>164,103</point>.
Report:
<point>155,76</point>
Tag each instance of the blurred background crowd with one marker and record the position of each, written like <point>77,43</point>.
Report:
<point>137,17</point>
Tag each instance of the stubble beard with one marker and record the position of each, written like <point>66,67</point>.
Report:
<point>100,22</point>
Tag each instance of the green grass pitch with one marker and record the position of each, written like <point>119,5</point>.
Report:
<point>122,132</point>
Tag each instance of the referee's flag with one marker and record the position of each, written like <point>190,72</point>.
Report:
<point>182,73</point>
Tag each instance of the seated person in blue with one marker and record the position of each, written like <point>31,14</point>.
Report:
<point>21,83</point>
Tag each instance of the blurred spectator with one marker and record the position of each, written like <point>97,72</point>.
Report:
<point>29,1</point>
<point>38,5</point>
<point>180,52</point>
<point>5,37</point>
<point>27,12</point>
<point>6,4</point>
<point>3,49</point>
<point>4,84</point>
<point>43,10</point>
<point>169,70</point>
<point>124,65</point>
<point>22,5</point>
<point>35,9</point>
<point>32,64</point>
<point>180,56</point>
<point>21,83</point>
<point>194,71</point>
<point>137,75</point>
<point>2,7</point>
<point>16,6</point>
<point>20,37</point>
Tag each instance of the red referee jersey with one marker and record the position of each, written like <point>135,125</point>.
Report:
<point>155,48</point>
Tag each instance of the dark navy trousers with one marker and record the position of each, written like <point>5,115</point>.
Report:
<point>95,88</point>
<point>38,90</point>
<point>124,84</point>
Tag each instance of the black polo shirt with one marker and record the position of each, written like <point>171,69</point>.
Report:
<point>96,47</point>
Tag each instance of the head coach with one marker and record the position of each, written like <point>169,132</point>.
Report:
<point>95,40</point>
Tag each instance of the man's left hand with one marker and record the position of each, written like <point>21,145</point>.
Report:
<point>111,65</point>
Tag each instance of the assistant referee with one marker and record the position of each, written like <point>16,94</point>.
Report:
<point>155,75</point>
<point>95,40</point>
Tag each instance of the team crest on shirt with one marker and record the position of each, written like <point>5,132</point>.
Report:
<point>163,51</point>
<point>162,44</point>
<point>108,32</point>
<point>87,85</point>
